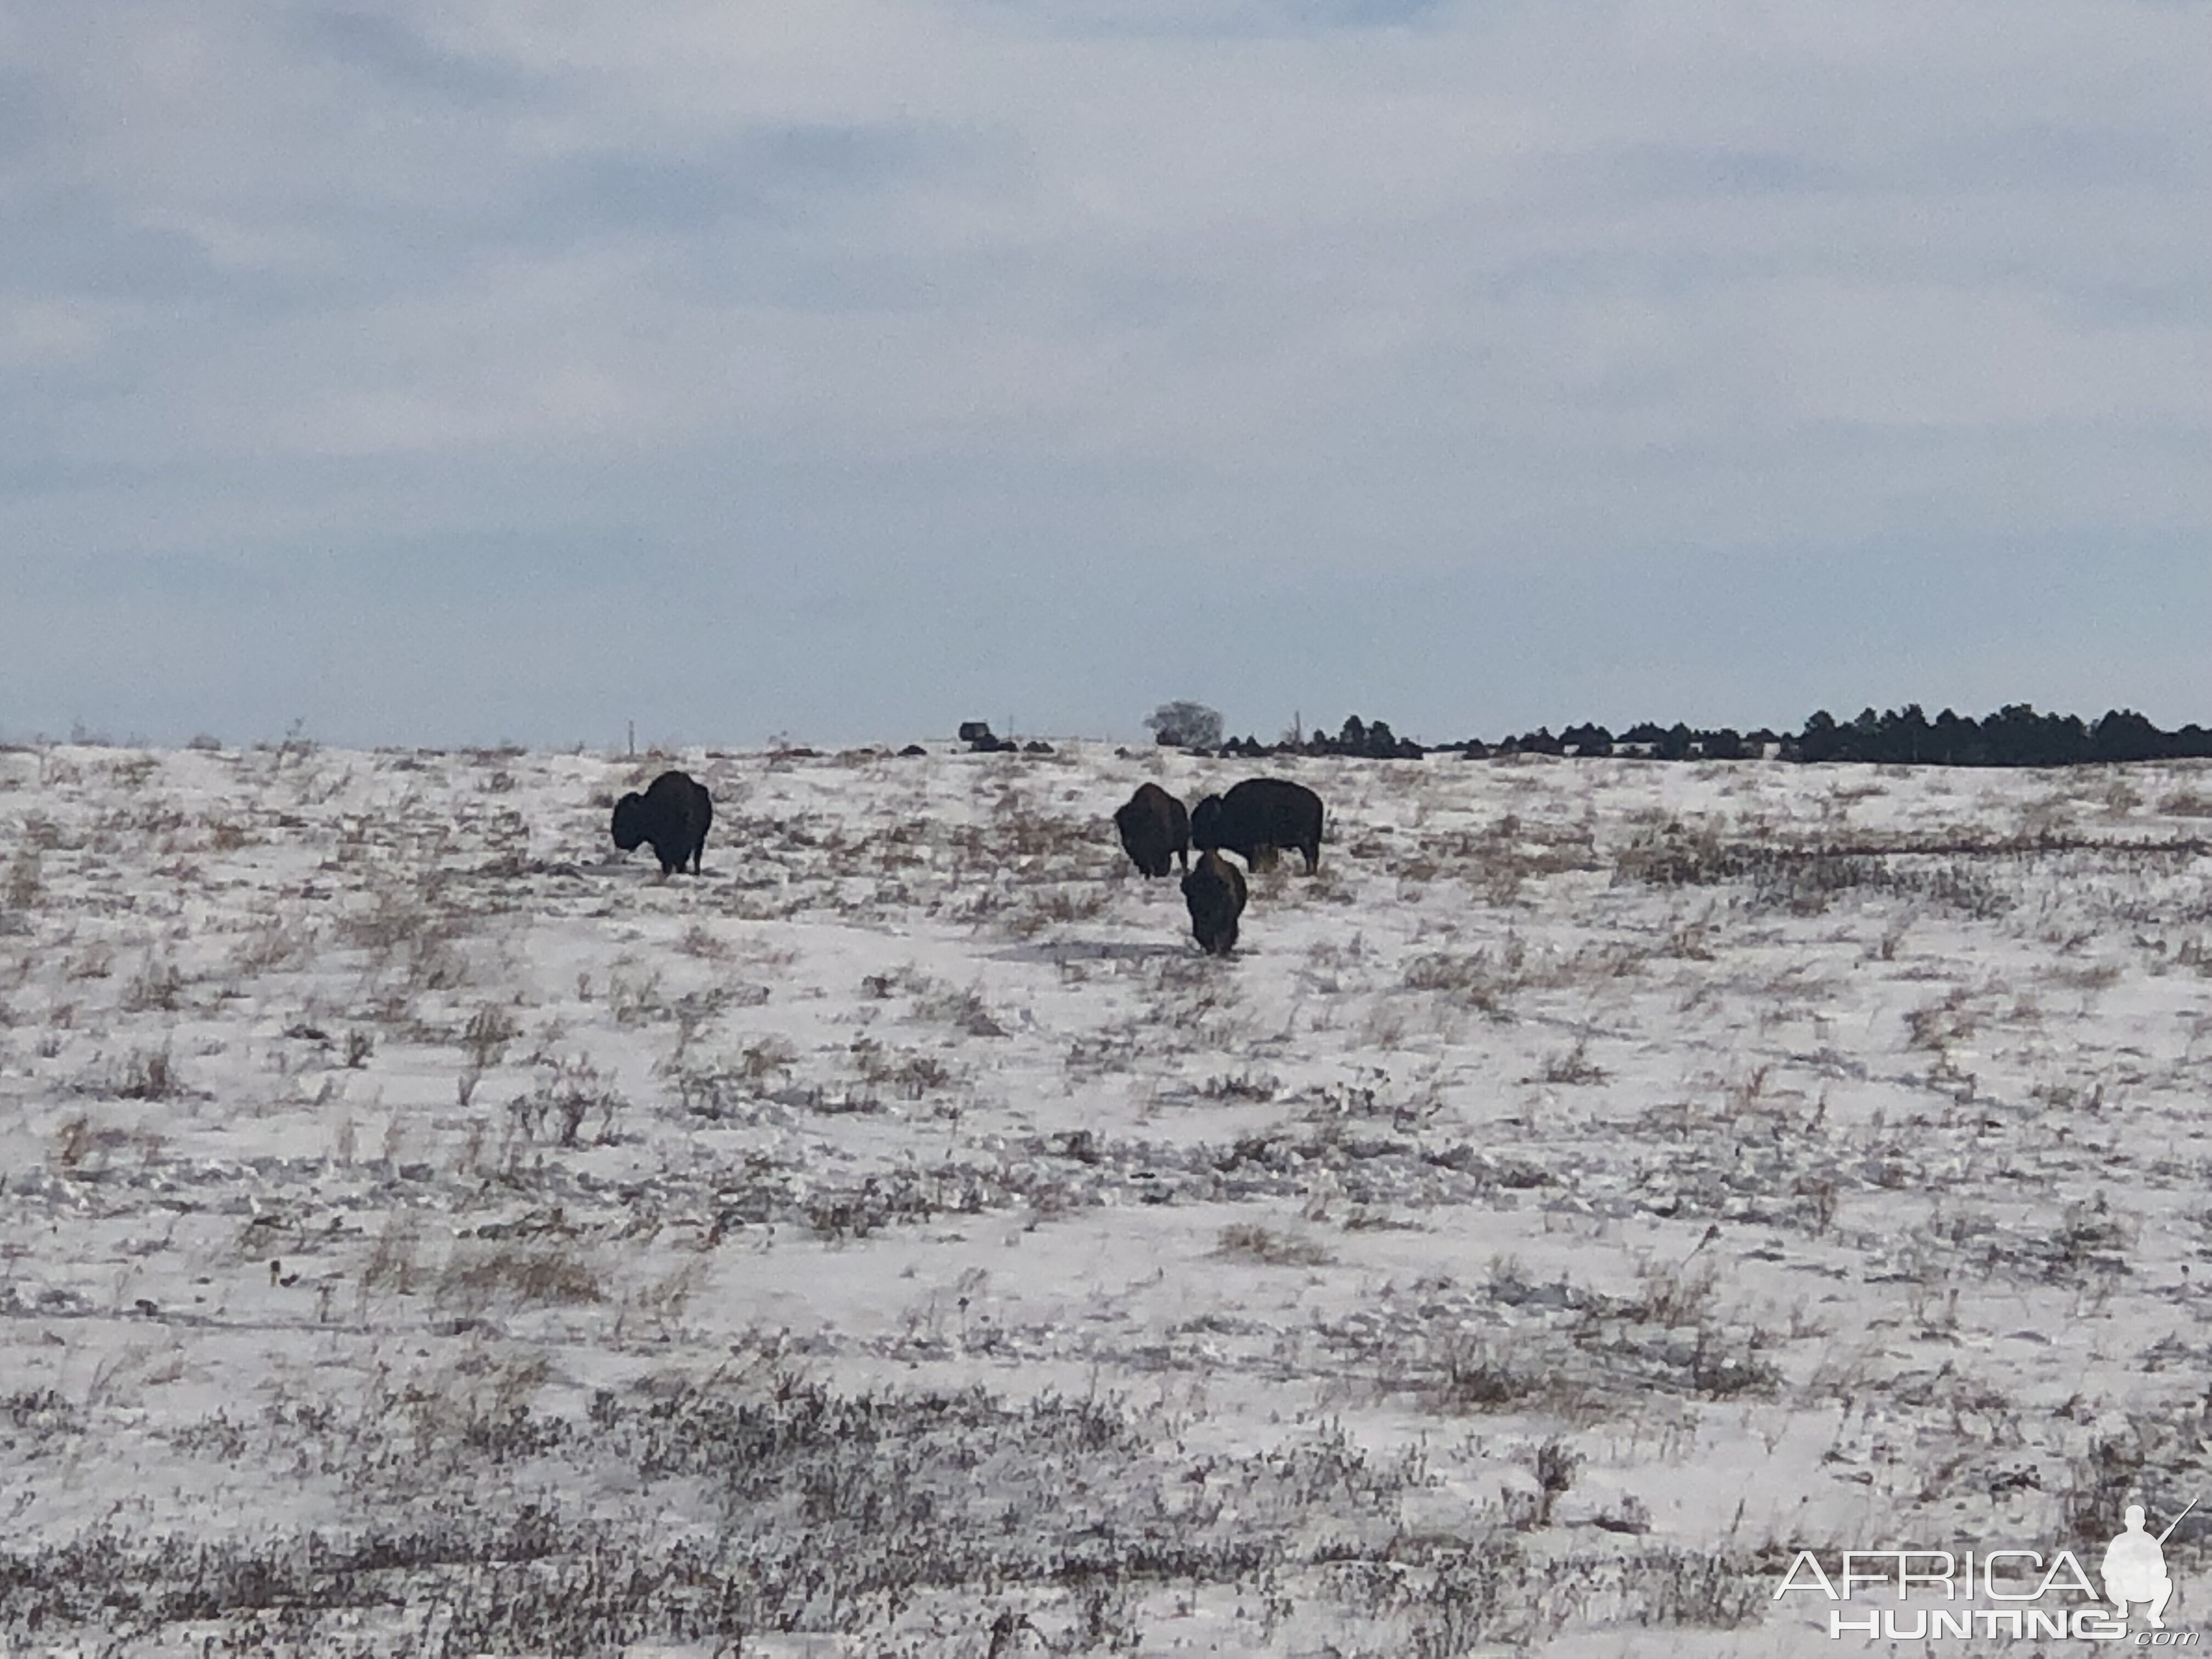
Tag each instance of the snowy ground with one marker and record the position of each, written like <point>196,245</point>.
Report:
<point>420,1232</point>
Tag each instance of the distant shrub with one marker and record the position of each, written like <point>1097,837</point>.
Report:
<point>1360,739</point>
<point>1185,726</point>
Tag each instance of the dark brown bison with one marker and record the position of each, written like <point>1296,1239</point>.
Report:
<point>1214,890</point>
<point>673,814</point>
<point>1154,829</point>
<point>1256,817</point>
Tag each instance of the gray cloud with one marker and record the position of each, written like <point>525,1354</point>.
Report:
<point>403,60</point>
<point>843,343</point>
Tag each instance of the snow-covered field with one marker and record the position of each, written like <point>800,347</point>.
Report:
<point>422,1232</point>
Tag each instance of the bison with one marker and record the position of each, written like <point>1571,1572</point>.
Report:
<point>1154,828</point>
<point>1214,890</point>
<point>673,814</point>
<point>1257,816</point>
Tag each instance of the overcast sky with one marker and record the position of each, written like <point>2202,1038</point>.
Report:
<point>472,369</point>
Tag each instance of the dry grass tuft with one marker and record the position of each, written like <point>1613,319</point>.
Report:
<point>478,1280</point>
<point>1245,1241</point>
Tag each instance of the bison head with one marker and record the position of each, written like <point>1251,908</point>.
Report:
<point>1204,818</point>
<point>630,822</point>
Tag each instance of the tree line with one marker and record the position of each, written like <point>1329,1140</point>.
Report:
<point>2016,735</point>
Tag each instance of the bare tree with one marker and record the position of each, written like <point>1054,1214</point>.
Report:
<point>1185,726</point>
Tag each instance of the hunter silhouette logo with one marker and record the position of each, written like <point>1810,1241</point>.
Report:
<point>1992,1591</point>
<point>2134,1567</point>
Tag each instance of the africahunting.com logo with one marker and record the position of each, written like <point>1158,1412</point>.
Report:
<point>2024,1592</point>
